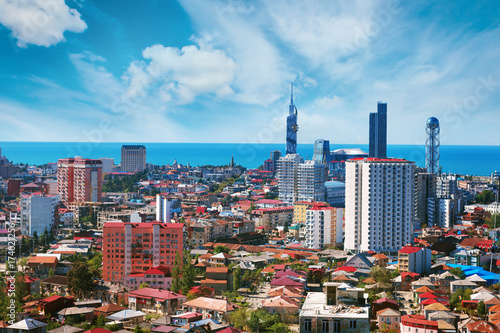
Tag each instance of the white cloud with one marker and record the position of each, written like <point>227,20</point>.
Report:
<point>329,103</point>
<point>39,22</point>
<point>181,74</point>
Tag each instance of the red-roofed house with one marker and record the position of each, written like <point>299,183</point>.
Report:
<point>160,301</point>
<point>414,259</point>
<point>53,304</point>
<point>412,323</point>
<point>156,277</point>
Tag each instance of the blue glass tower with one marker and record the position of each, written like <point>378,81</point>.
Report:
<point>291,128</point>
<point>378,132</point>
<point>322,151</point>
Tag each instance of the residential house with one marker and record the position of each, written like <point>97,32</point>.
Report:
<point>211,308</point>
<point>155,300</point>
<point>388,319</point>
<point>461,284</point>
<point>53,304</point>
<point>281,305</point>
<point>40,266</point>
<point>418,323</point>
<point>322,312</point>
<point>27,326</point>
<point>56,284</point>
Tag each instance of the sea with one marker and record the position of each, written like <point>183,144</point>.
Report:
<point>466,160</point>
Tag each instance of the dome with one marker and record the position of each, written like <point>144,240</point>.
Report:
<point>432,121</point>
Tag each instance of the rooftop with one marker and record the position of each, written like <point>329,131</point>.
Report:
<point>315,305</point>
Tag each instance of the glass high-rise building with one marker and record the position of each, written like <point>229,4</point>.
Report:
<point>322,151</point>
<point>378,132</point>
<point>291,128</point>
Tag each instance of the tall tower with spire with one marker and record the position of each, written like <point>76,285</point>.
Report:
<point>291,127</point>
<point>232,161</point>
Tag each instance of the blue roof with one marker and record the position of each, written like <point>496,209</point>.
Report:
<point>491,278</point>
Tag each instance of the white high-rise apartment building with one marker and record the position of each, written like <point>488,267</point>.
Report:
<point>379,204</point>
<point>288,167</point>
<point>324,227</point>
<point>133,158</point>
<point>37,212</point>
<point>311,181</point>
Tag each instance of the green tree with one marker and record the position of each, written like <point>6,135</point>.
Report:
<point>458,272</point>
<point>176,274</point>
<point>279,328</point>
<point>481,309</point>
<point>188,273</point>
<point>237,279</point>
<point>143,285</point>
<point>51,272</point>
<point>486,197</point>
<point>380,274</point>
<point>80,279</point>
<point>220,248</point>
<point>238,318</point>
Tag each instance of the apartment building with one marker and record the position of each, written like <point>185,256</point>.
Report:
<point>38,212</point>
<point>79,179</point>
<point>138,247</point>
<point>324,227</point>
<point>379,204</point>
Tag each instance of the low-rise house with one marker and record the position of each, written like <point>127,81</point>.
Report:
<point>56,284</point>
<point>290,292</point>
<point>388,319</point>
<point>108,309</point>
<point>40,266</point>
<point>53,304</point>
<point>461,284</point>
<point>185,318</point>
<point>383,304</point>
<point>481,327</point>
<point>412,323</point>
<point>155,277</point>
<point>321,314</point>
<point>211,308</point>
<point>76,314</point>
<point>27,326</point>
<point>404,280</point>
<point>155,300</point>
<point>442,281</point>
<point>284,306</point>
<point>66,329</point>
<point>129,318</point>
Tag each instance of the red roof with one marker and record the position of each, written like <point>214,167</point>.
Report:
<point>410,320</point>
<point>97,330</point>
<point>410,249</point>
<point>346,268</point>
<point>383,300</point>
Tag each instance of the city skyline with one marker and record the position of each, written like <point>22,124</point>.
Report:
<point>168,73</point>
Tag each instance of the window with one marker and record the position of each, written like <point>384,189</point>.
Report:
<point>336,326</point>
<point>325,326</point>
<point>307,325</point>
<point>352,324</point>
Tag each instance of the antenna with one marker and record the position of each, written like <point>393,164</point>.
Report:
<point>291,97</point>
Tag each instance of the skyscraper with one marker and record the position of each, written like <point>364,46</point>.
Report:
<point>311,177</point>
<point>79,179</point>
<point>432,145</point>
<point>379,204</point>
<point>322,151</point>
<point>288,167</point>
<point>378,132</point>
<point>291,128</point>
<point>133,158</point>
<point>425,197</point>
<point>275,156</point>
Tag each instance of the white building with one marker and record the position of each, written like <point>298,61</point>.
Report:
<point>445,214</point>
<point>133,158</point>
<point>163,208</point>
<point>379,204</point>
<point>335,193</point>
<point>324,227</point>
<point>288,167</point>
<point>107,164</point>
<point>37,212</point>
<point>311,181</point>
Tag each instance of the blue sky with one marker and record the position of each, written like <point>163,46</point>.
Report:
<point>220,71</point>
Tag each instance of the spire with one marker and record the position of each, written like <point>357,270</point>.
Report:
<point>291,96</point>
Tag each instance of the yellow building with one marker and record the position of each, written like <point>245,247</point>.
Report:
<point>300,208</point>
